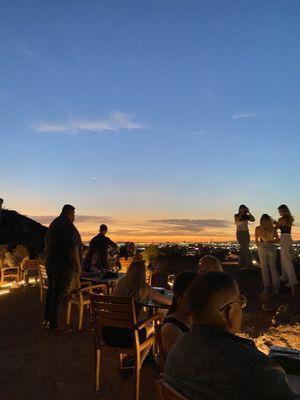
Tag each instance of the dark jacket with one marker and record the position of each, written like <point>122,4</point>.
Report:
<point>101,243</point>
<point>212,364</point>
<point>61,239</point>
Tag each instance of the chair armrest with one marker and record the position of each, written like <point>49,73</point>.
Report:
<point>7,268</point>
<point>155,317</point>
<point>90,289</point>
<point>85,284</point>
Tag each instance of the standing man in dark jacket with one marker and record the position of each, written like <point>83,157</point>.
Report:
<point>101,243</point>
<point>63,261</point>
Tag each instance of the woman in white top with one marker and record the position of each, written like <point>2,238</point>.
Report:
<point>265,237</point>
<point>133,283</point>
<point>241,220</point>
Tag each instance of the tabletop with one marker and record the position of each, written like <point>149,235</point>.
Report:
<point>98,279</point>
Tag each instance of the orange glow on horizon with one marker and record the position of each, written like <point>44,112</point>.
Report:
<point>149,231</point>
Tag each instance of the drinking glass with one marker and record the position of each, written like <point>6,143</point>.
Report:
<point>171,279</point>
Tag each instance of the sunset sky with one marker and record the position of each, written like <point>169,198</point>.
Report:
<point>156,117</point>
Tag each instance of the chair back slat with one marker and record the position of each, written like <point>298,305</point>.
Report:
<point>106,315</point>
<point>32,264</point>
<point>115,300</point>
<point>120,316</point>
<point>43,275</point>
<point>120,308</point>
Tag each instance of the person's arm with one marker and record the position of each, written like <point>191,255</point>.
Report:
<point>111,243</point>
<point>257,236</point>
<point>250,217</point>
<point>169,336</point>
<point>281,222</point>
<point>276,237</point>
<point>276,224</point>
<point>76,257</point>
<point>158,297</point>
<point>74,242</point>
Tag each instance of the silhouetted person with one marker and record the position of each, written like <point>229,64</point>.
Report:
<point>241,220</point>
<point>101,244</point>
<point>285,224</point>
<point>63,258</point>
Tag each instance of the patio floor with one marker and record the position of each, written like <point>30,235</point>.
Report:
<point>37,366</point>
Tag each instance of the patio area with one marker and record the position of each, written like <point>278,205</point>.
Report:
<point>35,365</point>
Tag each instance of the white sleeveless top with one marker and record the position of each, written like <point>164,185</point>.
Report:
<point>242,226</point>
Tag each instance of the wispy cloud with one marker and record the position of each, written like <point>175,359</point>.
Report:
<point>257,113</point>
<point>116,122</point>
<point>177,225</point>
<point>199,133</point>
<point>244,115</point>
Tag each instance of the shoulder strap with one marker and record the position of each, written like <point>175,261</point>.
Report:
<point>179,324</point>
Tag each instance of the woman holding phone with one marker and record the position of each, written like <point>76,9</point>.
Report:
<point>241,220</point>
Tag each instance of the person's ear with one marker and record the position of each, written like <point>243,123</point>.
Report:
<point>228,314</point>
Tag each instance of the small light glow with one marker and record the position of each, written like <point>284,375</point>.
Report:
<point>6,285</point>
<point>4,292</point>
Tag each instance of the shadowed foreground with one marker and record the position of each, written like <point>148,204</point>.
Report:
<point>35,365</point>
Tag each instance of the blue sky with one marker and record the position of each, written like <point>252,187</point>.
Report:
<point>141,110</point>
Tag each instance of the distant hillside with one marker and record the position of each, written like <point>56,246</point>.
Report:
<point>18,229</point>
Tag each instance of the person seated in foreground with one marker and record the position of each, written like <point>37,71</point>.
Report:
<point>209,263</point>
<point>90,263</point>
<point>211,362</point>
<point>133,283</point>
<point>178,320</point>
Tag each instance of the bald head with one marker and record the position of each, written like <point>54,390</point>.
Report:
<point>214,299</point>
<point>209,263</point>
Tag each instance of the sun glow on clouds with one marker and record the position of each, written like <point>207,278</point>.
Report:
<point>116,122</point>
<point>152,230</point>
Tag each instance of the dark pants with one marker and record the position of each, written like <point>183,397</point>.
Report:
<point>58,285</point>
<point>245,260</point>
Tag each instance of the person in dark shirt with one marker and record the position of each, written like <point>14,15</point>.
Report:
<point>101,244</point>
<point>212,362</point>
<point>63,261</point>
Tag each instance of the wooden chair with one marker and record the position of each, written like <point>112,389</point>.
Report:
<point>164,391</point>
<point>10,273</point>
<point>119,312</point>
<point>29,266</point>
<point>43,281</point>
<point>80,297</point>
<point>125,263</point>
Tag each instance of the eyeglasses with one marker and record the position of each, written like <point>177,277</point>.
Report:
<point>241,299</point>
